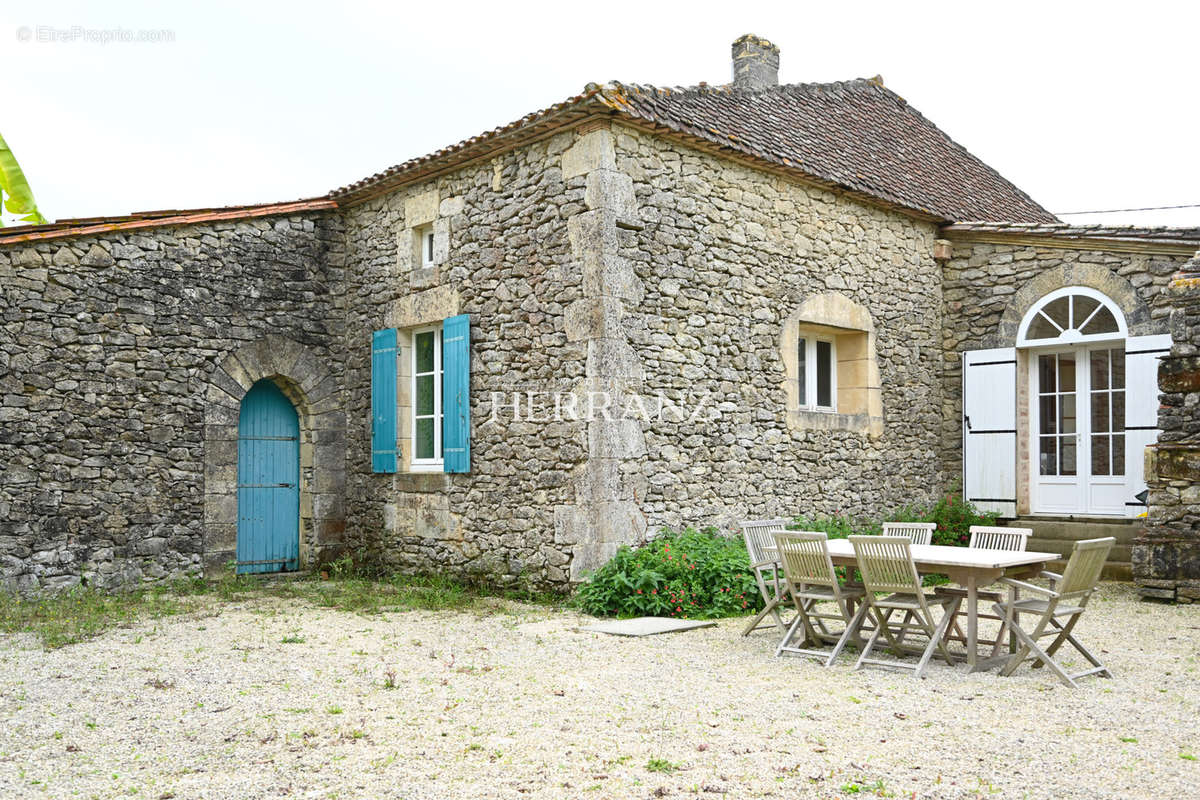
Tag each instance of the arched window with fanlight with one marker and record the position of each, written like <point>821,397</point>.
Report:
<point>1058,424</point>
<point>1075,314</point>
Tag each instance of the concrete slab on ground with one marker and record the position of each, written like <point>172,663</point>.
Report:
<point>647,626</point>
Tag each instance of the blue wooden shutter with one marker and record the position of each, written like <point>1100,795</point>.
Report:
<point>456,393</point>
<point>383,401</point>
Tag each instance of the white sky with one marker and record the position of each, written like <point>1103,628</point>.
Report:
<point>1083,108</point>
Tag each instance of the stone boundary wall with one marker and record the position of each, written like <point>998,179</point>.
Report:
<point>108,355</point>
<point>1166,553</point>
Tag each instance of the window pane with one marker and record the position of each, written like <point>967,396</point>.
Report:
<point>425,438</point>
<point>1100,412</point>
<point>1066,455</point>
<point>1048,461</point>
<point>1059,311</point>
<point>1066,413</point>
<point>424,395</point>
<point>1100,455</point>
<point>1066,373</point>
<point>1040,328</point>
<point>1084,306</point>
<point>1046,376</point>
<point>1047,416</point>
<point>1118,368</point>
<point>1099,362</point>
<point>1118,454</point>
<point>803,371</point>
<point>424,349</point>
<point>1118,411</point>
<point>1103,322</point>
<point>824,374</point>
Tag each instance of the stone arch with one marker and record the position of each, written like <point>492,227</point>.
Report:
<point>1093,276</point>
<point>859,392</point>
<point>313,389</point>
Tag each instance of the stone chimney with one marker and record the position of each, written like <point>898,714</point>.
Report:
<point>755,63</point>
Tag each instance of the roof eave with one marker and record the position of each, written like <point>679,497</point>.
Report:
<point>1029,236</point>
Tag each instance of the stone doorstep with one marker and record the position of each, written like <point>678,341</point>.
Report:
<point>647,626</point>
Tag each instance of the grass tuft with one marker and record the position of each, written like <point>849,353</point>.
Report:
<point>84,612</point>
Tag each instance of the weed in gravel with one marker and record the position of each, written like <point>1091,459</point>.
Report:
<point>661,765</point>
<point>334,710</point>
<point>389,679</point>
<point>292,638</point>
<point>84,612</point>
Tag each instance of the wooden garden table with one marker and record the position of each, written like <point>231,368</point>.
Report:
<point>970,568</point>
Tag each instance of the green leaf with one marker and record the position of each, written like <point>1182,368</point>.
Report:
<point>18,197</point>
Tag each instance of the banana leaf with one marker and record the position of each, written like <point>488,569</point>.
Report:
<point>14,189</point>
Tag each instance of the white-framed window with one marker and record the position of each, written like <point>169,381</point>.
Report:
<point>1070,315</point>
<point>423,236</point>
<point>427,409</point>
<point>817,373</point>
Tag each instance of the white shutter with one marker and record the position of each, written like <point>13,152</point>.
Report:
<point>1141,410</point>
<point>990,429</point>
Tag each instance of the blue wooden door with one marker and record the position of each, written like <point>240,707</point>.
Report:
<point>268,536</point>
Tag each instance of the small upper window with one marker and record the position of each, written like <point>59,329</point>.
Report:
<point>1073,314</point>
<point>423,237</point>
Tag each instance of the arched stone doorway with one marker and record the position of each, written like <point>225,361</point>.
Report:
<point>268,482</point>
<point>314,392</point>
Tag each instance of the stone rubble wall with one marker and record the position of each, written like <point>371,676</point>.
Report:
<point>1166,553</point>
<point>503,255</point>
<point>107,351</point>
<point>726,254</point>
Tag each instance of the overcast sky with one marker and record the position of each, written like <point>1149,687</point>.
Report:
<point>240,102</point>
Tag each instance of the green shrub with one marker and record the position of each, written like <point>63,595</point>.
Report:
<point>954,517</point>
<point>836,527</point>
<point>694,574</point>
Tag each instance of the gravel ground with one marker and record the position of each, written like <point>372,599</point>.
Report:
<point>261,699</point>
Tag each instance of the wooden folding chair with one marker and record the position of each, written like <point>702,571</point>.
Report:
<point>764,563</point>
<point>887,568</point>
<point>811,579</point>
<point>917,532</point>
<point>987,537</point>
<point>1074,588</point>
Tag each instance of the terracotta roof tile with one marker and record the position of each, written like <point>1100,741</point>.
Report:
<point>83,226</point>
<point>854,134</point>
<point>1064,230</point>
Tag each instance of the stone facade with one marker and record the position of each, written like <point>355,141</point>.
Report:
<point>597,261</point>
<point>990,285</point>
<point>505,259</point>
<point>112,399</point>
<point>1166,555</point>
<point>727,256</point>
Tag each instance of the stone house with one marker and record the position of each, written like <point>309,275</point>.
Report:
<point>635,308</point>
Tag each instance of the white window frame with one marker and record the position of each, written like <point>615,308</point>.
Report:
<point>436,463</point>
<point>424,236</point>
<point>1072,335</point>
<point>808,340</point>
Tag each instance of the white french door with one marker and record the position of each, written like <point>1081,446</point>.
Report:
<point>1077,413</point>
